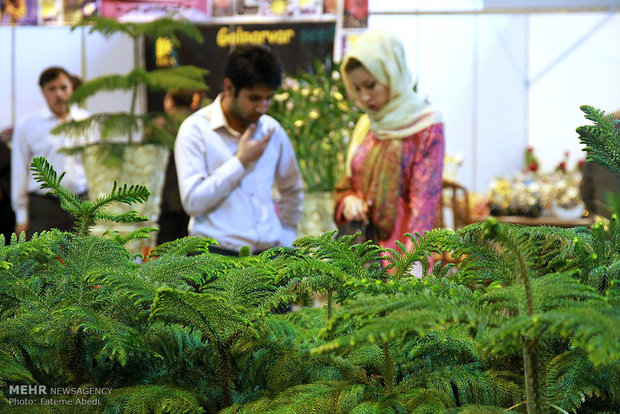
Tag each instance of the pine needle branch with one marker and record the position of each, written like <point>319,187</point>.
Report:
<point>401,260</point>
<point>85,212</point>
<point>602,140</point>
<point>167,27</point>
<point>185,77</point>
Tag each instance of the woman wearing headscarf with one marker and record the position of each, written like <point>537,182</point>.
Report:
<point>393,179</point>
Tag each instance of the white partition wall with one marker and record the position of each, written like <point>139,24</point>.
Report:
<point>36,48</point>
<point>501,97</point>
<point>576,63</point>
<point>104,56</point>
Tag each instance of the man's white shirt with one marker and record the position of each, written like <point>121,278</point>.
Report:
<point>228,202</point>
<point>32,138</point>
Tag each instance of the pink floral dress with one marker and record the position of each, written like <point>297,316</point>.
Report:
<point>421,169</point>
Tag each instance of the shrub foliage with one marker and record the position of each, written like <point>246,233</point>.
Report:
<point>529,320</point>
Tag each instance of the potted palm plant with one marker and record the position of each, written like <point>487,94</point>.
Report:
<point>313,109</point>
<point>123,151</point>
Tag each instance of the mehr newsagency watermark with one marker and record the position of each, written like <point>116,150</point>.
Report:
<point>26,395</point>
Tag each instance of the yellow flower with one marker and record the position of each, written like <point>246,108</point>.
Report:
<point>342,106</point>
<point>314,114</point>
<point>281,97</point>
<point>299,123</point>
<point>316,92</point>
<point>305,91</point>
<point>337,96</point>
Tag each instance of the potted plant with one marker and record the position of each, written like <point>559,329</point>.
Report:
<point>528,321</point>
<point>313,109</point>
<point>123,151</point>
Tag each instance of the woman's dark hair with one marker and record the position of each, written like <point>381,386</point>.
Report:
<point>248,66</point>
<point>352,64</point>
<point>50,74</point>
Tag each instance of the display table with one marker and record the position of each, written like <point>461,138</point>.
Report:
<point>547,221</point>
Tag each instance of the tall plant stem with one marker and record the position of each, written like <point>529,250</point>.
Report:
<point>77,359</point>
<point>330,304</point>
<point>532,378</point>
<point>388,375</point>
<point>225,375</point>
<point>134,89</point>
<point>533,385</point>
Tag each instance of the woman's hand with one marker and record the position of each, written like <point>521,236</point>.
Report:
<point>355,209</point>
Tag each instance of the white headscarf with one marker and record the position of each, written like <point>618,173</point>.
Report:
<point>383,55</point>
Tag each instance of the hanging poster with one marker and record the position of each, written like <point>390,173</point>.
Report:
<point>310,7</point>
<point>50,11</point>
<point>298,46</point>
<point>355,14</point>
<point>279,8</point>
<point>65,11</point>
<point>76,10</point>
<point>247,7</point>
<point>18,11</point>
<point>330,6</point>
<point>147,10</point>
<point>223,8</point>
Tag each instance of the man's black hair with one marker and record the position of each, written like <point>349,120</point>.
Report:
<point>182,97</point>
<point>248,66</point>
<point>50,74</point>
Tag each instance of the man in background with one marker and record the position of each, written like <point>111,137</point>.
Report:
<point>230,156</point>
<point>173,221</point>
<point>34,210</point>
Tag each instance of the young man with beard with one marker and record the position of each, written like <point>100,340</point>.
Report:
<point>230,155</point>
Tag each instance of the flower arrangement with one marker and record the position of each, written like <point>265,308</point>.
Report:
<point>532,192</point>
<point>312,108</point>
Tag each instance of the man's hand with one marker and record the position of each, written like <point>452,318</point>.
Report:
<point>249,149</point>
<point>355,209</point>
<point>21,227</point>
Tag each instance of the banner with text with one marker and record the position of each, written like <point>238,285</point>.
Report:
<point>298,45</point>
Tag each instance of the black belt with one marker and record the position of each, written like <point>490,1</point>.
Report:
<point>227,252</point>
<point>223,252</point>
<point>81,196</point>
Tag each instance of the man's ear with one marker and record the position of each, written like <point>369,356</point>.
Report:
<point>196,101</point>
<point>229,88</point>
